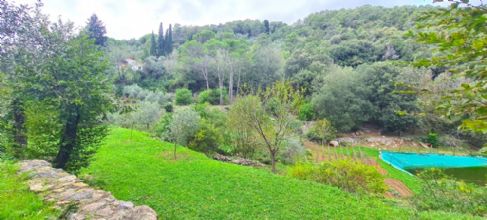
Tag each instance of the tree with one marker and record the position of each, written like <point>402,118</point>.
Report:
<point>342,99</point>
<point>183,96</point>
<point>168,40</point>
<point>161,50</point>
<point>75,78</point>
<point>184,125</point>
<point>457,35</point>
<point>266,27</point>
<point>153,45</point>
<point>96,30</point>
<point>393,108</point>
<point>270,116</point>
<point>27,39</point>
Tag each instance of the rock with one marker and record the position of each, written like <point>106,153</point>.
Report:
<point>144,213</point>
<point>334,143</point>
<point>125,205</point>
<point>237,160</point>
<point>66,190</point>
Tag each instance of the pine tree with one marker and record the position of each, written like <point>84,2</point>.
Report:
<point>168,40</point>
<point>153,45</point>
<point>160,42</point>
<point>96,30</point>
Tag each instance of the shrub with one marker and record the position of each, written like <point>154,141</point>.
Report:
<point>212,96</point>
<point>432,138</point>
<point>183,96</point>
<point>203,97</point>
<point>450,141</point>
<point>293,151</point>
<point>346,174</point>
<point>207,138</point>
<point>306,112</point>
<point>483,151</point>
<point>169,108</point>
<point>439,192</point>
<point>321,131</point>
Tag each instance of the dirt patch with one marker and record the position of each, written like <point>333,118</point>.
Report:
<point>397,189</point>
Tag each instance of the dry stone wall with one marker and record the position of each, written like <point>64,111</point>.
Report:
<point>67,191</point>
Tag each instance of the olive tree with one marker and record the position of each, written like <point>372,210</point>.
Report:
<point>184,125</point>
<point>270,115</point>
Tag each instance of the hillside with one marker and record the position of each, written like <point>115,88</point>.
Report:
<point>135,167</point>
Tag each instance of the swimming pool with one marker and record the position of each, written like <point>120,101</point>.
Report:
<point>411,163</point>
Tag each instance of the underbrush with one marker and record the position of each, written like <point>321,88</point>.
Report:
<point>347,174</point>
<point>440,192</point>
<point>16,201</point>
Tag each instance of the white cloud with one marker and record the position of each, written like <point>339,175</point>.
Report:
<point>125,19</point>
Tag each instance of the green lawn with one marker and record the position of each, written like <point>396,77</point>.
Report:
<point>16,201</point>
<point>135,167</point>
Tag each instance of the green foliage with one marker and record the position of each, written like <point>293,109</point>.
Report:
<point>269,117</point>
<point>43,130</point>
<point>439,192</point>
<point>306,112</point>
<point>212,96</point>
<point>321,131</point>
<point>96,30</point>
<point>341,100</point>
<point>18,202</point>
<point>432,139</point>
<point>457,35</point>
<point>184,96</point>
<point>349,175</point>
<point>183,126</point>
<point>207,138</point>
<point>259,194</point>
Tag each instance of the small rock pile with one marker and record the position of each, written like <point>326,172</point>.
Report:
<point>65,190</point>
<point>237,160</point>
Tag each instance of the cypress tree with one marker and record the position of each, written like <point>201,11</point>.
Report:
<point>266,27</point>
<point>153,46</point>
<point>161,51</point>
<point>96,30</point>
<point>168,40</point>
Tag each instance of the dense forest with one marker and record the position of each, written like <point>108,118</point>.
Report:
<point>253,89</point>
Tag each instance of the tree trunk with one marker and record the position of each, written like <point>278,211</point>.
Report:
<point>175,151</point>
<point>68,138</point>
<point>19,130</point>
<point>273,162</point>
<point>230,84</point>
<point>238,84</point>
<point>205,75</point>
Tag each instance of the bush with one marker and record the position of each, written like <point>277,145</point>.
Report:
<point>439,192</point>
<point>483,151</point>
<point>212,96</point>
<point>450,141</point>
<point>207,138</point>
<point>306,112</point>
<point>321,131</point>
<point>346,174</point>
<point>432,139</point>
<point>184,96</point>
<point>293,151</point>
<point>169,108</point>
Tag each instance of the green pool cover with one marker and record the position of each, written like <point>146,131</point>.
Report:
<point>408,161</point>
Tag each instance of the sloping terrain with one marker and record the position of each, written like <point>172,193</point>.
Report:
<point>135,167</point>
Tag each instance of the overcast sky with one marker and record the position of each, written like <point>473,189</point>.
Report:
<point>126,19</point>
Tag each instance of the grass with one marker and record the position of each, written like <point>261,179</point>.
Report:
<point>411,181</point>
<point>135,167</point>
<point>16,201</point>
